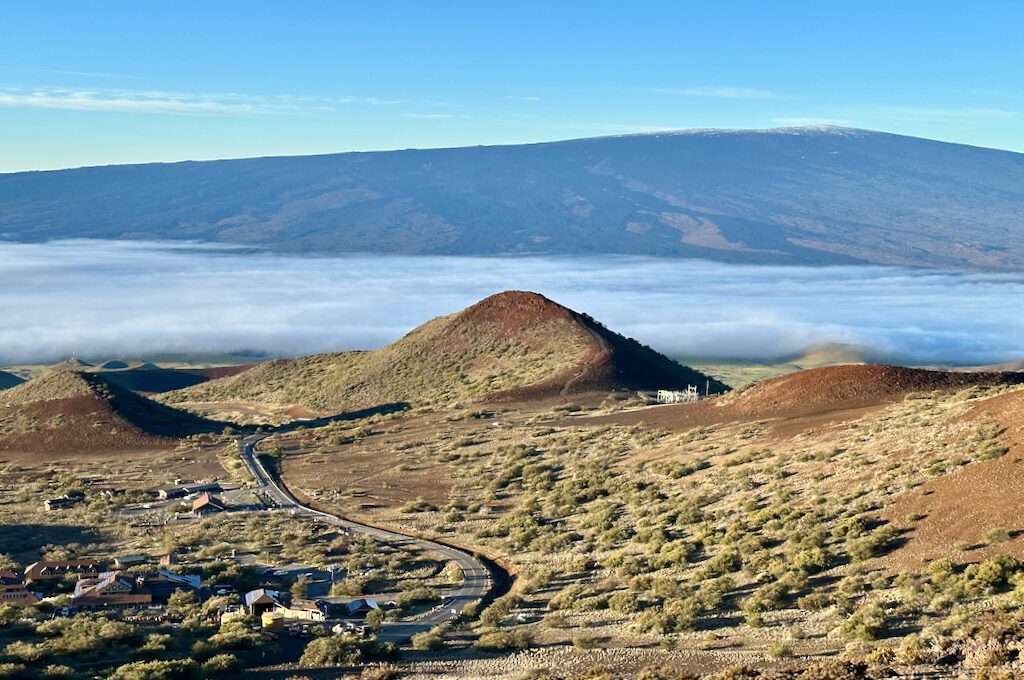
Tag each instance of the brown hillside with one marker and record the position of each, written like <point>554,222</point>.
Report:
<point>813,397</point>
<point>214,372</point>
<point>1017,365</point>
<point>847,387</point>
<point>54,386</point>
<point>68,411</point>
<point>71,364</point>
<point>959,508</point>
<point>513,345</point>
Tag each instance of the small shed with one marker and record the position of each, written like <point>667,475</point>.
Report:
<point>207,504</point>
<point>361,606</point>
<point>51,504</point>
<point>262,600</point>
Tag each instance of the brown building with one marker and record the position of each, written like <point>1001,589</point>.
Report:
<point>170,492</point>
<point>207,504</point>
<point>55,569</point>
<point>126,588</point>
<point>115,589</point>
<point>304,610</point>
<point>13,591</point>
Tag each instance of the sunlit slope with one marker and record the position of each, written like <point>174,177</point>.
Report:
<point>67,411</point>
<point>510,346</point>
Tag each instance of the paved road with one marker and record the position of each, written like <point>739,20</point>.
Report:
<point>477,581</point>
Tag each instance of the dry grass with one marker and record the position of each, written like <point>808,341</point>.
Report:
<point>732,536</point>
<point>431,365</point>
<point>512,345</point>
<point>741,531</point>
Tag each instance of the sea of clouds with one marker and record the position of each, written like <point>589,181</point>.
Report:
<point>127,299</point>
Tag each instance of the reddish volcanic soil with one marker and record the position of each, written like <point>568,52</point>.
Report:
<point>847,387</point>
<point>505,315</point>
<point>809,399</point>
<point>84,423</point>
<point>72,412</point>
<point>612,362</point>
<point>961,507</point>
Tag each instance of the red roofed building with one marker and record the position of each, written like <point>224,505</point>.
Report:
<point>207,504</point>
<point>45,570</point>
<point>110,590</point>
<point>13,591</point>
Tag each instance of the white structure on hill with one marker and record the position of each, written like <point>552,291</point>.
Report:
<point>678,396</point>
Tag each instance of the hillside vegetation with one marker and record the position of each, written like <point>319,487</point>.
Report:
<point>513,345</point>
<point>871,538</point>
<point>817,195</point>
<point>67,411</point>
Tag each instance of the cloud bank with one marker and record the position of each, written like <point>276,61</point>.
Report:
<point>106,299</point>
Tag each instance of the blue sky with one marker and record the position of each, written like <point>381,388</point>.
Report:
<point>119,82</point>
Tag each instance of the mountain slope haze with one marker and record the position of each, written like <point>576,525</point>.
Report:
<point>818,195</point>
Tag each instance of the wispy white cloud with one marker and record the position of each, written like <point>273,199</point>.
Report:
<point>176,103</point>
<point>132,101</point>
<point>717,92</point>
<point>373,101</point>
<point>519,98</point>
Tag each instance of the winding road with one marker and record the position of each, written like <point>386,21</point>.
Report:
<point>475,586</point>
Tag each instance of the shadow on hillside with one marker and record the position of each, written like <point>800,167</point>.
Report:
<point>150,416</point>
<point>156,380</point>
<point>383,409</point>
<point>25,542</point>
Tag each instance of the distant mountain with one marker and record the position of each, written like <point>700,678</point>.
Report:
<point>8,380</point>
<point>153,380</point>
<point>134,375</point>
<point>150,378</point>
<point>510,346</point>
<point>830,354</point>
<point>737,372</point>
<point>69,411</point>
<point>818,195</point>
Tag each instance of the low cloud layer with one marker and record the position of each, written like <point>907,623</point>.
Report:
<point>107,299</point>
